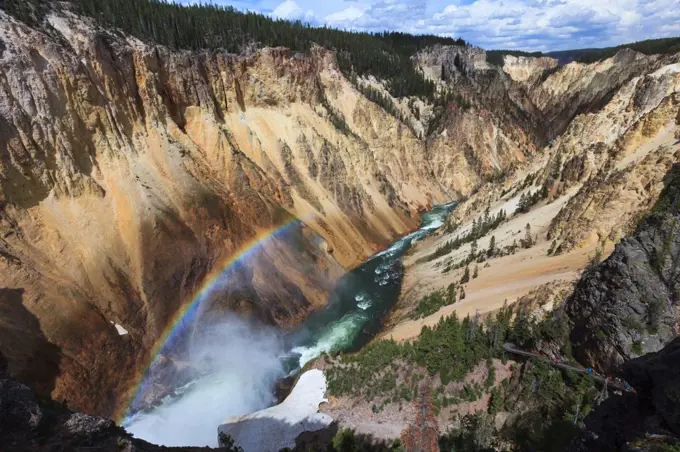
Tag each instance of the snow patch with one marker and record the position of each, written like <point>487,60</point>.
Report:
<point>277,427</point>
<point>121,331</point>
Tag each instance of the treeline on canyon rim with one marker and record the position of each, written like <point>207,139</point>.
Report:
<point>209,26</point>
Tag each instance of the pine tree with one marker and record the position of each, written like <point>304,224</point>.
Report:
<point>522,204</point>
<point>556,167</point>
<point>475,274</point>
<point>528,241</point>
<point>451,293</point>
<point>522,331</point>
<point>227,443</point>
<point>466,276</point>
<point>492,246</point>
<point>495,401</point>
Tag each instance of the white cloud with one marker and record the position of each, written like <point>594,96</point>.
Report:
<point>520,24</point>
<point>346,15</point>
<point>288,10</point>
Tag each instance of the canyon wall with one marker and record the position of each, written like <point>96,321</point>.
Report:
<point>130,172</point>
<point>627,306</point>
<point>487,110</point>
<point>577,196</point>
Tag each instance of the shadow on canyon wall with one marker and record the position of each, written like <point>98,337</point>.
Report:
<point>30,356</point>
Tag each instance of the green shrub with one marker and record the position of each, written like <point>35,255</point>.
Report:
<point>495,401</point>
<point>227,443</point>
<point>491,375</point>
<point>636,348</point>
<point>633,324</point>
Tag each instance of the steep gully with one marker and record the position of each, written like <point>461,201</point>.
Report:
<point>244,381</point>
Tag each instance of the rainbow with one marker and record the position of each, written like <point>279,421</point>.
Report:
<point>185,313</point>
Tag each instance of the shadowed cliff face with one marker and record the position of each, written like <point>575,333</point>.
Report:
<point>562,94</point>
<point>32,357</point>
<point>628,305</point>
<point>33,422</point>
<point>656,378</point>
<point>647,420</point>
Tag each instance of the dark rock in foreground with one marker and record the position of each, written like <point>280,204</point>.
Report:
<point>31,423</point>
<point>648,420</point>
<point>628,305</point>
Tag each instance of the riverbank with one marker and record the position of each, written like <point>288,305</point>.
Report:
<point>505,280</point>
<point>500,279</point>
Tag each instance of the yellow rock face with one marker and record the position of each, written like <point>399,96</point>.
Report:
<point>601,175</point>
<point>128,173</point>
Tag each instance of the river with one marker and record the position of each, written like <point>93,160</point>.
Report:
<point>361,299</point>
<point>253,358</point>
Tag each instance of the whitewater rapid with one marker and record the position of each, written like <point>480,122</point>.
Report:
<point>247,360</point>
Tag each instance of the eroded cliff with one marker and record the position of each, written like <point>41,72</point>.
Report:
<point>627,306</point>
<point>130,172</point>
<point>576,197</point>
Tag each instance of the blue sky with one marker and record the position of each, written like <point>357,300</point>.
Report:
<point>492,24</point>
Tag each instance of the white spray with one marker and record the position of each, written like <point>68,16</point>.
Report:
<point>241,363</point>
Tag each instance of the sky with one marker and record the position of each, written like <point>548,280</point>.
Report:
<point>532,25</point>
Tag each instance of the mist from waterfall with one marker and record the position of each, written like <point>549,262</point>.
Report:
<point>239,363</point>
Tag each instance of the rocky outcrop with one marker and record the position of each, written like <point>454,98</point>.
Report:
<point>647,420</point>
<point>578,88</point>
<point>451,59</point>
<point>527,70</point>
<point>628,305</point>
<point>29,422</point>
